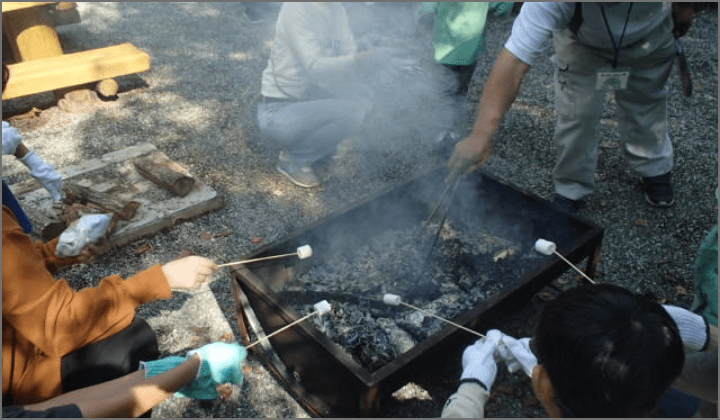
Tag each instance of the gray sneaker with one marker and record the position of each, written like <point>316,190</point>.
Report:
<point>299,175</point>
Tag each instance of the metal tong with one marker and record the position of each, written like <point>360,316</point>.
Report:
<point>440,212</point>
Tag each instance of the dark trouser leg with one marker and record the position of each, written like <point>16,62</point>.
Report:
<point>111,357</point>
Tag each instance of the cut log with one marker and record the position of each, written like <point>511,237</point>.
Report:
<point>166,174</point>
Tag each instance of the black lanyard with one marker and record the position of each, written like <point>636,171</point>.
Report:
<point>616,47</point>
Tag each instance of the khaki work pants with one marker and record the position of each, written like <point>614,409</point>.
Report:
<point>641,109</point>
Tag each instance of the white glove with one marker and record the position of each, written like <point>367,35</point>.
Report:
<point>693,327</point>
<point>86,230</point>
<point>479,360</point>
<point>45,174</point>
<point>517,354</point>
<point>11,139</point>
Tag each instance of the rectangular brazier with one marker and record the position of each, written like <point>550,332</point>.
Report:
<point>323,375</point>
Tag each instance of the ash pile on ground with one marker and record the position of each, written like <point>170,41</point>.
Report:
<point>197,105</point>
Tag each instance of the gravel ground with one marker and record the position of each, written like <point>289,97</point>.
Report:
<point>197,105</point>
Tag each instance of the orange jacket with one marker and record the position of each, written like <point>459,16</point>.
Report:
<point>43,319</point>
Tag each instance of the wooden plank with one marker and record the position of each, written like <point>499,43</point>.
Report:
<point>74,69</point>
<point>114,175</point>
<point>9,6</point>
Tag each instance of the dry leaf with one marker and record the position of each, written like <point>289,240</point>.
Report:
<point>530,400</point>
<point>679,290</point>
<point>247,368</point>
<point>641,222</point>
<point>228,337</point>
<point>256,239</point>
<point>546,296</point>
<point>224,391</point>
<point>206,236</point>
<point>185,253</point>
<point>668,278</point>
<point>143,249</point>
<point>200,330</point>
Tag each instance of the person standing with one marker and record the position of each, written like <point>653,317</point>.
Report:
<point>626,48</point>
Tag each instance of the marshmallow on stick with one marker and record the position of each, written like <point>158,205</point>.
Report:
<point>302,252</point>
<point>321,308</point>
<point>549,248</point>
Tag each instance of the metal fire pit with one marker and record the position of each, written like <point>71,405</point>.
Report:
<point>324,378</point>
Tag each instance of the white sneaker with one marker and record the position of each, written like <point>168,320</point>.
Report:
<point>303,176</point>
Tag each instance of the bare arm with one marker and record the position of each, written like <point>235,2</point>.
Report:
<point>500,91</point>
<point>128,396</point>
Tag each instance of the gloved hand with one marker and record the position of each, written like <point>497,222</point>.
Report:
<point>479,360</point>
<point>11,139</point>
<point>221,363</point>
<point>86,230</point>
<point>693,327</point>
<point>45,174</point>
<point>517,354</point>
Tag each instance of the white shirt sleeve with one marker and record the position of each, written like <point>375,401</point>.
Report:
<point>534,26</point>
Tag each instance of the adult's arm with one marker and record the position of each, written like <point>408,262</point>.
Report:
<point>498,95</point>
<point>128,396</point>
<point>49,313</point>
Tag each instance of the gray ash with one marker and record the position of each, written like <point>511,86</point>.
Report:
<point>458,275</point>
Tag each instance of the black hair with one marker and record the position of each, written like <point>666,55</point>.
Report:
<point>6,76</point>
<point>608,352</point>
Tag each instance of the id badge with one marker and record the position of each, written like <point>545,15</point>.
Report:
<point>612,79</point>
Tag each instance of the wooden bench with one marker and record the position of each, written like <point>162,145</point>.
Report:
<point>46,74</point>
<point>39,63</point>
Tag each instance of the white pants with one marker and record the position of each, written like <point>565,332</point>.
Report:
<point>642,118</point>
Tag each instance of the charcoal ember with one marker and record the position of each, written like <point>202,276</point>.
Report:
<point>453,279</point>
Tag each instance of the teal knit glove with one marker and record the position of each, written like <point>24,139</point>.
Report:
<point>221,363</point>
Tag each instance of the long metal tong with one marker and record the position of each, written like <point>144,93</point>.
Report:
<point>440,212</point>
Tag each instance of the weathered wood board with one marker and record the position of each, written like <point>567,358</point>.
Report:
<point>115,174</point>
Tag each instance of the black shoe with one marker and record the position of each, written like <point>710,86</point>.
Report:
<point>658,190</point>
<point>567,206</point>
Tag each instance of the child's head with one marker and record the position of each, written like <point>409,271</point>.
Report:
<point>605,352</point>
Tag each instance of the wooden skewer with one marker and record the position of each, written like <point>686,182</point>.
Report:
<point>302,252</point>
<point>283,329</point>
<point>443,319</point>
<point>573,266</point>
<point>258,259</point>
